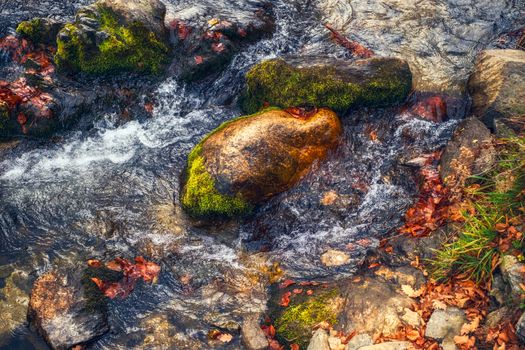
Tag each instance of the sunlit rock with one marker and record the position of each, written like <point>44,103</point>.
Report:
<point>249,159</point>
<point>374,307</point>
<point>115,35</point>
<point>327,82</point>
<point>66,309</point>
<point>334,257</point>
<point>497,87</point>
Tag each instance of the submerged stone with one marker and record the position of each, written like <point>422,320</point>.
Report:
<point>251,158</point>
<point>327,82</point>
<point>66,309</point>
<point>115,35</point>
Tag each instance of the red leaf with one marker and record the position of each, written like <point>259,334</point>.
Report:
<point>218,47</point>
<point>353,46</point>
<point>199,59</point>
<point>285,299</point>
<point>94,263</point>
<point>286,283</point>
<point>294,346</point>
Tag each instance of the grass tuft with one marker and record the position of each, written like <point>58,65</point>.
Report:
<point>497,202</point>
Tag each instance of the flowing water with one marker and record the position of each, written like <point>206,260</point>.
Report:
<point>113,190</point>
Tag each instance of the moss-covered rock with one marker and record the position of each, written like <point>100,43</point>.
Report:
<point>326,82</point>
<point>39,30</point>
<point>252,158</point>
<point>114,35</point>
<point>296,322</point>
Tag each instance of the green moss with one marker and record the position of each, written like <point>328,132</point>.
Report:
<point>200,197</point>
<point>30,29</point>
<point>296,322</point>
<point>127,48</point>
<point>277,83</point>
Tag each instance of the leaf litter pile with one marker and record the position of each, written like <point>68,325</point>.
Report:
<point>436,206</point>
<point>132,272</point>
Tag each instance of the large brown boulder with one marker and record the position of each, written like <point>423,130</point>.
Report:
<point>252,158</point>
<point>497,87</point>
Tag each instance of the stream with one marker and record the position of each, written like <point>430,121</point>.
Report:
<point>113,190</point>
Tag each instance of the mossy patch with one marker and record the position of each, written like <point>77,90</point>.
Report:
<point>126,48</point>
<point>30,29</point>
<point>199,196</point>
<point>296,322</point>
<point>278,83</point>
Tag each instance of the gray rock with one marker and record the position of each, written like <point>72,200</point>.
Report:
<point>319,341</point>
<point>374,307</point>
<point>496,317</point>
<point>445,324</point>
<point>520,328</point>
<point>469,152</point>
<point>497,87</point>
<point>392,345</point>
<point>66,310</point>
<point>359,341</point>
<point>252,335</point>
<point>512,273</point>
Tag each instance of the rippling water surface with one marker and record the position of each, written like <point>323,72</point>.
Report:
<point>113,191</point>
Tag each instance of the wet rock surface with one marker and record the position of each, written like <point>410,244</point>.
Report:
<point>326,82</point>
<point>252,158</point>
<point>449,39</point>
<point>210,33</point>
<point>497,88</point>
<point>65,310</point>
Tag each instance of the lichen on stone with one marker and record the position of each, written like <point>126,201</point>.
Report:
<point>126,48</point>
<point>296,322</point>
<point>277,83</point>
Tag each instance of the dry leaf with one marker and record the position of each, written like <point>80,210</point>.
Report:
<point>409,291</point>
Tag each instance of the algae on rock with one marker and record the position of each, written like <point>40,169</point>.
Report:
<point>326,82</point>
<point>297,321</point>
